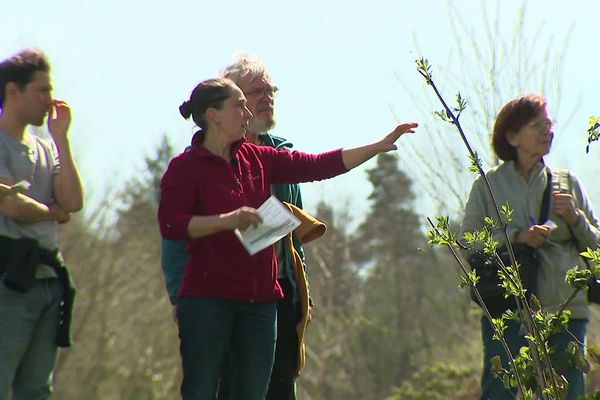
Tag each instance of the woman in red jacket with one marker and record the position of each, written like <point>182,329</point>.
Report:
<point>227,299</point>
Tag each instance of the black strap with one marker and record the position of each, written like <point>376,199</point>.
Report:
<point>545,210</point>
<point>54,259</point>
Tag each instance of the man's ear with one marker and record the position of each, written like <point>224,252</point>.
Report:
<point>11,90</point>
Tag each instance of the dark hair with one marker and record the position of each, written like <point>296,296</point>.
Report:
<point>513,116</point>
<point>20,69</point>
<point>207,94</point>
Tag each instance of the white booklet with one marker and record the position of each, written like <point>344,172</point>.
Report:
<point>277,221</point>
<point>19,187</point>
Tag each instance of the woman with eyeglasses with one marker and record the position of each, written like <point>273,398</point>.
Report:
<point>227,299</point>
<point>522,136</point>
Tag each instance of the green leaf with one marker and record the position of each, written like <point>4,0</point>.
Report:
<point>511,315</point>
<point>574,351</point>
<point>496,364</point>
<point>534,303</point>
<point>594,352</point>
<point>593,131</point>
<point>462,102</point>
<point>506,212</point>
<point>472,277</point>
<point>578,278</point>
<point>499,328</point>
<point>475,163</point>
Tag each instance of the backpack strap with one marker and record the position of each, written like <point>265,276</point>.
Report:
<point>545,209</point>
<point>559,180</point>
<point>563,181</point>
<point>562,184</point>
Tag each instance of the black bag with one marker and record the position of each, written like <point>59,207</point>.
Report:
<point>593,286</point>
<point>489,283</point>
<point>594,291</point>
<point>486,268</point>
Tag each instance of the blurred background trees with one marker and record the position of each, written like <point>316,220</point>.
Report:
<point>126,343</point>
<point>386,306</point>
<point>389,322</point>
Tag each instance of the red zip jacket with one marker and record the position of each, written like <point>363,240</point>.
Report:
<point>198,182</point>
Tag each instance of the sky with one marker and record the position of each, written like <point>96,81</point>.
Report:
<point>126,66</point>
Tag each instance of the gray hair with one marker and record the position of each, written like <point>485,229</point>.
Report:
<point>245,67</point>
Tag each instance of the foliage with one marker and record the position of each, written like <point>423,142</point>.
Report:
<point>593,131</point>
<point>438,382</point>
<point>379,315</point>
<point>336,289</point>
<point>367,303</point>
<point>388,328</point>
<point>125,338</point>
<point>387,241</point>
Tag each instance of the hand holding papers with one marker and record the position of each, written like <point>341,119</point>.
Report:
<point>277,222</point>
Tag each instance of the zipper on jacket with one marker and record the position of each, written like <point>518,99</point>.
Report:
<point>235,177</point>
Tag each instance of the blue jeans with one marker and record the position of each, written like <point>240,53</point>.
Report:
<point>208,329</point>
<point>28,325</point>
<point>493,388</point>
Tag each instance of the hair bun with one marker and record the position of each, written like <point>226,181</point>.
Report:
<point>185,109</point>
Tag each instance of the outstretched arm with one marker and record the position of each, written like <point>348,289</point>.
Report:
<point>358,155</point>
<point>68,190</point>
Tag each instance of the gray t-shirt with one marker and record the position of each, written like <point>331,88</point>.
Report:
<point>36,161</point>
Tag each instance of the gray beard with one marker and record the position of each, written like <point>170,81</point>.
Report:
<point>260,126</point>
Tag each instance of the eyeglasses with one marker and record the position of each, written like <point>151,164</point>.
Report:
<point>260,93</point>
<point>542,126</point>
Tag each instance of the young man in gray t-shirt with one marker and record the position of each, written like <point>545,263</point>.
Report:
<point>29,320</point>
